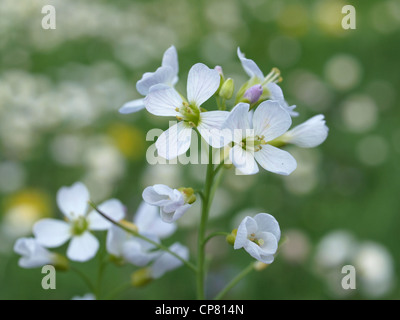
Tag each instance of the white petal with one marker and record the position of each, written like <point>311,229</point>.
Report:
<point>275,160</point>
<point>253,249</point>
<point>132,106</point>
<point>271,120</point>
<point>238,121</point>
<point>202,84</point>
<point>158,195</point>
<point>250,66</point>
<point>83,248</point>
<point>309,134</point>
<point>246,227</point>
<point>51,233</point>
<point>73,201</point>
<point>277,94</point>
<point>116,237</point>
<point>167,262</point>
<point>270,244</point>
<point>243,160</point>
<point>174,141</point>
<point>162,101</point>
<point>170,59</point>
<point>211,130</point>
<point>163,75</point>
<point>134,253</point>
<point>147,219</point>
<point>33,254</point>
<point>172,216</point>
<point>113,208</point>
<point>267,223</point>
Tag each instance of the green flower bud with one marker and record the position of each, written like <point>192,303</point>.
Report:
<point>227,89</point>
<point>141,277</point>
<point>61,263</point>
<point>188,194</point>
<point>231,237</point>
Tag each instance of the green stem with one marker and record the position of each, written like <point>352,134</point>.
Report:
<point>138,235</point>
<point>214,234</point>
<point>84,278</point>
<point>203,224</point>
<point>235,281</point>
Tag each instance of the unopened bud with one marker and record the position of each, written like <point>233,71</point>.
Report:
<point>129,225</point>
<point>253,93</point>
<point>60,263</point>
<point>188,194</point>
<point>227,89</point>
<point>141,277</point>
<point>231,237</point>
<point>259,266</point>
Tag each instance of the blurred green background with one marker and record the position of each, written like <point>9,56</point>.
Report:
<point>60,91</point>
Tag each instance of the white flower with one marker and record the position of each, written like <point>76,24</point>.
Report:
<point>259,236</point>
<point>251,134</point>
<point>73,203</point>
<point>167,262</point>
<point>33,254</point>
<point>124,245</point>
<point>163,100</point>
<point>309,134</point>
<point>171,201</point>
<point>268,83</point>
<point>166,74</point>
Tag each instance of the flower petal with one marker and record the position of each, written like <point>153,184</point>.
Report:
<point>113,208</point>
<point>309,134</point>
<point>163,75</point>
<point>271,120</point>
<point>276,160</point>
<point>267,223</point>
<point>147,219</point>
<point>243,160</point>
<point>174,141</point>
<point>51,233</point>
<point>246,227</point>
<point>170,59</point>
<point>33,254</point>
<point>135,253</point>
<point>167,262</point>
<point>250,66</point>
<point>202,83</point>
<point>238,122</point>
<point>73,201</point>
<point>172,216</point>
<point>158,195</point>
<point>277,94</point>
<point>211,130</point>
<point>83,248</point>
<point>163,100</point>
<point>116,237</point>
<point>132,106</point>
<point>270,244</point>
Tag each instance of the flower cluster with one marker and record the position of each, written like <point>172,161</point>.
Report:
<point>251,133</point>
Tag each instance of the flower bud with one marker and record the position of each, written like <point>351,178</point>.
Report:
<point>141,277</point>
<point>231,237</point>
<point>129,225</point>
<point>227,89</point>
<point>259,266</point>
<point>60,263</point>
<point>188,194</point>
<point>253,93</point>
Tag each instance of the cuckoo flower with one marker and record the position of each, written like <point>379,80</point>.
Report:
<point>33,254</point>
<point>252,133</point>
<point>269,88</point>
<point>166,74</point>
<point>259,236</point>
<point>172,203</point>
<point>163,100</point>
<point>73,203</point>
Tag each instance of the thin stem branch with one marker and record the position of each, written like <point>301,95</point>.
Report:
<point>119,290</point>
<point>138,235</point>
<point>214,234</point>
<point>235,281</point>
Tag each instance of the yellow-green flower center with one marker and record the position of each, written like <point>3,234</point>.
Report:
<point>79,226</point>
<point>190,114</point>
<point>253,143</point>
